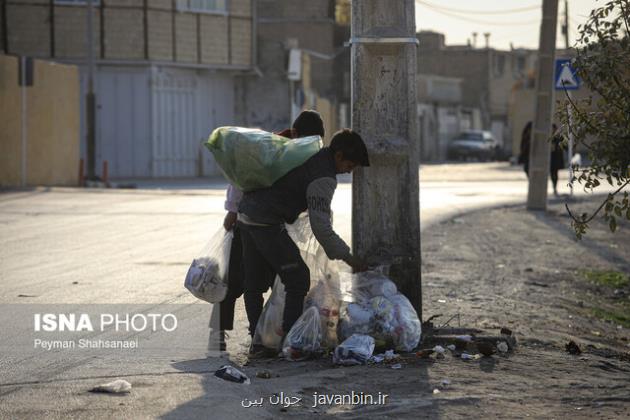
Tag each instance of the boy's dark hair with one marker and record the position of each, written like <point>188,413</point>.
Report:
<point>309,123</point>
<point>351,146</point>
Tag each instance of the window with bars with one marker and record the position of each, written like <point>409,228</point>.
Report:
<point>202,6</point>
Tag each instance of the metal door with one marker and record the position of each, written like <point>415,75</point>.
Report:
<point>175,142</point>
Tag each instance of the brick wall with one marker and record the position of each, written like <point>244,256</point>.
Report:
<point>240,7</point>
<point>125,35</point>
<point>160,27</point>
<point>240,37</point>
<point>70,32</point>
<point>214,39</point>
<point>28,30</point>
<point>186,36</point>
<point>281,9</point>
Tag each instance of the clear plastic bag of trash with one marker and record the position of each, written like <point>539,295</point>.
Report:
<point>253,159</point>
<point>325,297</point>
<point>366,285</point>
<point>207,276</point>
<point>304,339</point>
<point>269,327</point>
<point>230,373</point>
<point>408,329</point>
<point>311,251</point>
<point>355,350</point>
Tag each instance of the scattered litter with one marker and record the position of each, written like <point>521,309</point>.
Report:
<point>232,374</point>
<point>485,348</point>
<point>119,386</point>
<point>572,348</point>
<point>397,366</point>
<point>390,355</point>
<point>451,347</point>
<point>355,350</point>
<point>466,356</point>
<point>460,344</point>
<point>424,354</point>
<point>506,331</point>
<point>500,265</point>
<point>263,374</point>
<point>439,349</point>
<point>377,358</point>
<point>436,391</point>
<point>535,283</point>
<point>441,300</point>
<point>502,347</point>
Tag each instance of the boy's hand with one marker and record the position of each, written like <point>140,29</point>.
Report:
<point>357,264</point>
<point>230,220</point>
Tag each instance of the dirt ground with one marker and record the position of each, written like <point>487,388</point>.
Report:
<point>505,267</point>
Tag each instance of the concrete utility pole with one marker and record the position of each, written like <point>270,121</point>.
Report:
<point>541,131</point>
<point>90,98</point>
<point>385,196</point>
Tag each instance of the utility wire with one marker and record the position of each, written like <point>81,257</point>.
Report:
<point>481,12</point>
<point>482,22</point>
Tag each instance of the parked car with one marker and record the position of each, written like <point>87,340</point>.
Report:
<point>477,144</point>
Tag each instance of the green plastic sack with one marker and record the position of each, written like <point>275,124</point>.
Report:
<point>253,159</point>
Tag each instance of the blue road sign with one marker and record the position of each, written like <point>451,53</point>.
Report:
<point>565,76</point>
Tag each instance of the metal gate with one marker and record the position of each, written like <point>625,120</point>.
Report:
<point>175,145</point>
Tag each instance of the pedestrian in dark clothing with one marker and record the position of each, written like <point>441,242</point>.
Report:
<point>266,243</point>
<point>526,138</point>
<point>308,123</point>
<point>557,158</point>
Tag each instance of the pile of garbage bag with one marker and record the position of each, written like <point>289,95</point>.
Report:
<point>339,306</point>
<point>377,309</point>
<point>252,159</point>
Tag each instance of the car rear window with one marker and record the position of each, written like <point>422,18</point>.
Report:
<point>470,136</point>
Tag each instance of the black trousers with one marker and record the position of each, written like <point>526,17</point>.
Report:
<point>235,283</point>
<point>271,249</point>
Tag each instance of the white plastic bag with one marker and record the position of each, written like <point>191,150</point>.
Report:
<point>366,285</point>
<point>373,306</point>
<point>269,328</point>
<point>355,350</point>
<point>304,338</point>
<point>408,329</point>
<point>325,296</point>
<point>207,276</point>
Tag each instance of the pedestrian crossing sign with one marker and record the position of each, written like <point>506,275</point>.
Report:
<point>566,78</point>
